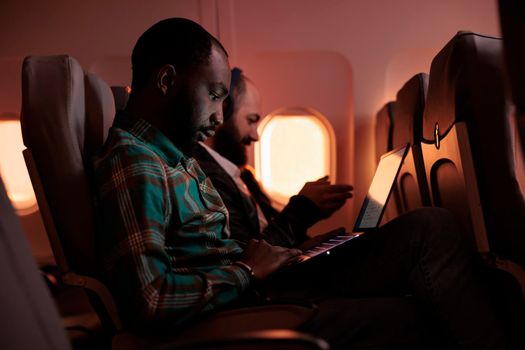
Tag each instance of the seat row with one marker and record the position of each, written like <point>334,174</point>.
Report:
<point>465,155</point>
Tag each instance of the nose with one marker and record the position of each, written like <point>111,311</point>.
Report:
<point>254,135</point>
<point>217,118</point>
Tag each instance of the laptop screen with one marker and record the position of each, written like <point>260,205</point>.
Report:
<point>379,191</point>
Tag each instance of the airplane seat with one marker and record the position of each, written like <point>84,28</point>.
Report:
<point>30,319</point>
<point>383,142</point>
<point>512,26</point>
<point>65,117</point>
<point>411,181</point>
<point>384,128</point>
<point>466,150</point>
<point>121,96</point>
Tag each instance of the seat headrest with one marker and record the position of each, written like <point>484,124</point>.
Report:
<point>410,104</point>
<point>462,75</point>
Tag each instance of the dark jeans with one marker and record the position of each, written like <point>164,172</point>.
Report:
<point>413,279</point>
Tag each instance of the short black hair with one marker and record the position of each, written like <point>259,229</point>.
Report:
<point>177,41</point>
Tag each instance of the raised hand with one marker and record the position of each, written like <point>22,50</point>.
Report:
<point>326,196</point>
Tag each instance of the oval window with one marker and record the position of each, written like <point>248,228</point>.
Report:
<point>13,168</point>
<point>296,145</point>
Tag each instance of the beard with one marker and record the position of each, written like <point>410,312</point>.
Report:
<point>229,143</point>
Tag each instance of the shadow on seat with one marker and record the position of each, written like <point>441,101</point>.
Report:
<point>66,114</point>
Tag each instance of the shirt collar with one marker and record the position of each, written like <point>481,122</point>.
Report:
<point>226,164</point>
<point>151,136</point>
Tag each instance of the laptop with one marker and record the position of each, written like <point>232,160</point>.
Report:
<point>373,206</point>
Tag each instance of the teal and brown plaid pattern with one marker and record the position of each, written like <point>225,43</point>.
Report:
<point>164,229</point>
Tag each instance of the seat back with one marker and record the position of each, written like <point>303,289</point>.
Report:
<point>512,13</point>
<point>384,129</point>
<point>65,117</point>
<point>383,140</point>
<point>121,96</point>
<point>29,317</point>
<point>466,149</point>
<point>61,140</point>
<point>411,181</point>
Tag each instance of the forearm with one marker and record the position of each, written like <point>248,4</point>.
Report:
<point>289,227</point>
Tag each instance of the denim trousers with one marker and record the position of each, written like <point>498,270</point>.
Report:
<point>413,283</point>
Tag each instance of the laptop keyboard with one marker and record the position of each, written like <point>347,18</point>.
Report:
<point>329,244</point>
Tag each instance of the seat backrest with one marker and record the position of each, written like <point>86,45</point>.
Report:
<point>384,128</point>
<point>411,181</point>
<point>467,87</point>
<point>512,13</point>
<point>121,96</point>
<point>383,139</point>
<point>512,25</point>
<point>56,98</point>
<point>29,317</point>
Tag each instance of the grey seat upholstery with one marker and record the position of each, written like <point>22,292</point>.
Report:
<point>29,318</point>
<point>467,101</point>
<point>66,114</point>
<point>410,103</point>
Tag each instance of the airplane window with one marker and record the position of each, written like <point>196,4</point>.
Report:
<point>295,146</point>
<point>13,168</point>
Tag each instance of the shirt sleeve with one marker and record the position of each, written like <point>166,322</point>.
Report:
<point>150,286</point>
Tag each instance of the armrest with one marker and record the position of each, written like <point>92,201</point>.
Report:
<point>267,339</point>
<point>248,319</point>
<point>264,327</point>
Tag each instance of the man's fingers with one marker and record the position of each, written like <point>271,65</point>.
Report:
<point>291,254</point>
<point>339,188</point>
<point>331,197</point>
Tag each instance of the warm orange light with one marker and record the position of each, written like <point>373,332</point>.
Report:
<point>13,168</point>
<point>293,149</point>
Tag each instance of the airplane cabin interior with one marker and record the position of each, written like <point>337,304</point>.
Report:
<point>342,82</point>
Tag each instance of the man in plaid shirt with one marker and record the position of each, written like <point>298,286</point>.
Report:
<point>164,235</point>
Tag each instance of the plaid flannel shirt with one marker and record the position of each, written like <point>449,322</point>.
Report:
<point>164,229</point>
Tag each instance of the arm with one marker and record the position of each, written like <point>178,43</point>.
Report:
<point>285,229</point>
<point>317,200</point>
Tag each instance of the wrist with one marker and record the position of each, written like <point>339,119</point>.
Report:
<point>246,268</point>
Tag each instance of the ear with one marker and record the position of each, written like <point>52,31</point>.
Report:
<point>165,78</point>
